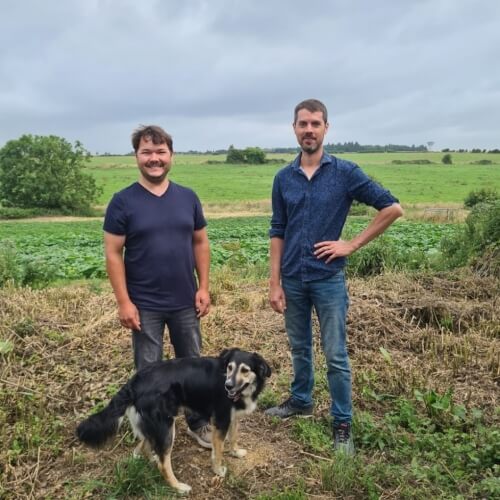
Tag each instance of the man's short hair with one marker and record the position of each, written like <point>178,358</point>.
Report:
<point>154,133</point>
<point>312,105</point>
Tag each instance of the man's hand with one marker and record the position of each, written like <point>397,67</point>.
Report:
<point>202,302</point>
<point>277,298</point>
<point>129,316</point>
<point>333,249</point>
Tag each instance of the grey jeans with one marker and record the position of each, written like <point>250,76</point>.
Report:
<point>185,337</point>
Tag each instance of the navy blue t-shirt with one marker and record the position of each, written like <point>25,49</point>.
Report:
<point>159,258</point>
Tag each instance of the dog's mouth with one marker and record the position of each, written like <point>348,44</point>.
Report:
<point>235,394</point>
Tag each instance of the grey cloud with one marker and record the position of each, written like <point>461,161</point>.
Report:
<point>223,71</point>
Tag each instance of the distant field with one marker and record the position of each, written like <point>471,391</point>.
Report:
<point>413,184</point>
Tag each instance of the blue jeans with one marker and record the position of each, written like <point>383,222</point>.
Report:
<point>330,300</point>
<point>185,337</point>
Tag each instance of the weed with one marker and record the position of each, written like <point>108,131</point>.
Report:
<point>341,476</point>
<point>268,398</point>
<point>315,434</point>
<point>289,493</point>
<point>25,327</point>
<point>132,477</point>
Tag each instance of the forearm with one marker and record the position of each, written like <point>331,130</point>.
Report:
<point>115,268</point>
<point>201,251</point>
<point>377,226</point>
<point>276,254</point>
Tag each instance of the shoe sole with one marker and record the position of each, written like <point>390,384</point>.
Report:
<point>201,442</point>
<point>300,415</point>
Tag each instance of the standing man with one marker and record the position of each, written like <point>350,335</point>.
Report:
<point>311,198</point>
<point>161,227</point>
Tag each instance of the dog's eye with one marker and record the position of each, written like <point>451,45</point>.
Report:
<point>244,369</point>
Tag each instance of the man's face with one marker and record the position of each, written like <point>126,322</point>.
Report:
<point>310,129</point>
<point>154,160</point>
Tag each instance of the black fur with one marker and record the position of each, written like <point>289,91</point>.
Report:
<point>160,390</point>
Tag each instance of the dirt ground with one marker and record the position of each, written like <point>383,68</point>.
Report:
<point>69,350</point>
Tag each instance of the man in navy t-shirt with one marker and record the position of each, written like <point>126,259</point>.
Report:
<point>155,238</point>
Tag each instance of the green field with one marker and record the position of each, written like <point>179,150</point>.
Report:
<point>434,184</point>
<point>422,333</point>
<point>62,251</point>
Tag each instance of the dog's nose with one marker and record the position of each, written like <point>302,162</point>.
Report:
<point>229,384</point>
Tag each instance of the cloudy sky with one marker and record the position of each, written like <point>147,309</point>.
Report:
<point>221,72</point>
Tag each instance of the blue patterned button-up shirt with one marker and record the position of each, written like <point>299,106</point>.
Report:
<point>306,212</point>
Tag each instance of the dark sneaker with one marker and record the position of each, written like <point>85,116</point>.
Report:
<point>342,438</point>
<point>203,435</point>
<point>288,409</point>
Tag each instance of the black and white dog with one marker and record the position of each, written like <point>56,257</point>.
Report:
<point>220,389</point>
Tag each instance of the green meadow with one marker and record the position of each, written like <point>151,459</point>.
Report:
<point>429,184</point>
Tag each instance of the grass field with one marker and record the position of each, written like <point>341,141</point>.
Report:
<point>434,184</point>
<point>423,344</point>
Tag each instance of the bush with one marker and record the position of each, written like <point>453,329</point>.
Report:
<point>485,195</point>
<point>446,159</point>
<point>46,172</point>
<point>10,271</point>
<point>253,156</point>
<point>479,237</point>
<point>482,162</point>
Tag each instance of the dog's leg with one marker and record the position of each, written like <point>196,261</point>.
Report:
<point>218,437</point>
<point>233,435</point>
<point>144,449</point>
<point>165,465</point>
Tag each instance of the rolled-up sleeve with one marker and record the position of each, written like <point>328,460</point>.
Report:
<point>279,219</point>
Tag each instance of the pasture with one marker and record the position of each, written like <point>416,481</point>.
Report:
<point>433,184</point>
<point>423,338</point>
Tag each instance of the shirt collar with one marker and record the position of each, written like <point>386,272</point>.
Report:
<point>326,158</point>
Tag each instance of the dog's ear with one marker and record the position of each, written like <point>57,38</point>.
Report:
<point>225,355</point>
<point>262,367</point>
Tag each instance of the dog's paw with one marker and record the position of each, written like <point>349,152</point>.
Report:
<point>239,453</point>
<point>183,488</point>
<point>220,471</point>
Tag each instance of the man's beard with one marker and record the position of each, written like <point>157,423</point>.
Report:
<point>310,149</point>
<point>155,179</point>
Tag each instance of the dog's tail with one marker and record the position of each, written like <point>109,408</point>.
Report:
<point>98,428</point>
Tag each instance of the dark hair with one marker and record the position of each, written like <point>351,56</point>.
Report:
<point>154,133</point>
<point>311,105</point>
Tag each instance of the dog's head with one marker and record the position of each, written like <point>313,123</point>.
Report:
<point>245,373</point>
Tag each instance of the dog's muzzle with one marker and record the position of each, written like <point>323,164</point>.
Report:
<point>235,394</point>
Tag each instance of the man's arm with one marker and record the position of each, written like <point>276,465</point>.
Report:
<point>382,220</point>
<point>276,293</point>
<point>201,249</point>
<point>127,311</point>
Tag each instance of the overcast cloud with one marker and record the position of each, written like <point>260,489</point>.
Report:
<point>221,72</point>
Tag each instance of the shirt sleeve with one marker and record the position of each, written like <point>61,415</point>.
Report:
<point>278,219</point>
<point>115,220</point>
<point>199,218</point>
<point>365,190</point>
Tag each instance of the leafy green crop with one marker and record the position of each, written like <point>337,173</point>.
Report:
<point>47,252</point>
